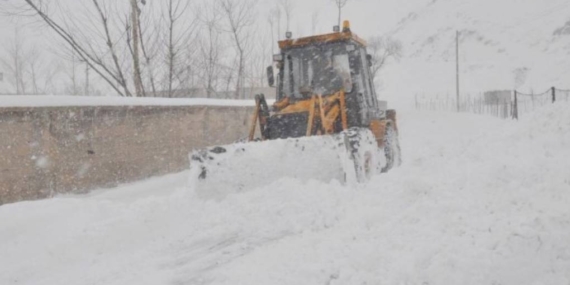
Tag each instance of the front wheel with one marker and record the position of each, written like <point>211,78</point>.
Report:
<point>391,149</point>
<point>362,149</point>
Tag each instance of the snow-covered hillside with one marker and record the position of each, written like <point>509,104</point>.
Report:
<point>497,38</point>
<point>477,201</point>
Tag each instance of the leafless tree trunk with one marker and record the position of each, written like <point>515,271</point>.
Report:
<point>33,65</point>
<point>255,72</point>
<point>340,4</point>
<point>383,49</point>
<point>277,12</point>
<point>73,89</point>
<point>287,6</point>
<point>210,49</point>
<point>239,17</point>
<point>314,22</point>
<point>271,22</point>
<point>119,73</point>
<point>87,92</point>
<point>176,42</point>
<point>136,58</point>
<point>15,62</point>
<point>149,38</point>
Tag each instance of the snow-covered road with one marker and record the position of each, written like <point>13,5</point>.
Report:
<point>477,201</point>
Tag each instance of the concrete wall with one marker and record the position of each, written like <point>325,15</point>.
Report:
<point>45,151</point>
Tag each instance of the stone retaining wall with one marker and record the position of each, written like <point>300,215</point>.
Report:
<point>50,150</point>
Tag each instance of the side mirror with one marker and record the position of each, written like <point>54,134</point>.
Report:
<point>369,58</point>
<point>270,76</point>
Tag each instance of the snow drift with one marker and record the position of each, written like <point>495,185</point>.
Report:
<point>477,201</point>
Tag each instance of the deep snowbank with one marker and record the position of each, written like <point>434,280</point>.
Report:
<point>477,201</point>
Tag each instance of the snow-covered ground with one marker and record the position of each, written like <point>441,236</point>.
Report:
<point>477,201</point>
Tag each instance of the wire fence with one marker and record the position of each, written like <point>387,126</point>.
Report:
<point>525,103</point>
<point>512,104</point>
<point>467,104</point>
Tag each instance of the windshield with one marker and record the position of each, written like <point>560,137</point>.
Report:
<point>316,70</point>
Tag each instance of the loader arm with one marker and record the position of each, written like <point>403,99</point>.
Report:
<point>325,114</point>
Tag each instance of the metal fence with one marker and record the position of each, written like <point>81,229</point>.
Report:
<point>467,104</point>
<point>518,105</point>
<point>525,103</point>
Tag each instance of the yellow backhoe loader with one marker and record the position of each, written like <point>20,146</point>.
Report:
<point>326,123</point>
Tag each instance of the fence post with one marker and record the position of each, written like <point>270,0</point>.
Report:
<point>553,95</point>
<point>516,107</point>
<point>417,107</point>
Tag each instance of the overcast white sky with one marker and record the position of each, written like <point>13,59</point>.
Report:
<point>368,17</point>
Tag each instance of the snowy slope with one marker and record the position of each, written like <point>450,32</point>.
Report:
<point>477,201</point>
<point>497,37</point>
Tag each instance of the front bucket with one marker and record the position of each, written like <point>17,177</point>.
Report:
<point>239,167</point>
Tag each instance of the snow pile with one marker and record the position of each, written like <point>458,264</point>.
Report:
<point>247,166</point>
<point>222,170</point>
<point>477,201</point>
<point>486,203</point>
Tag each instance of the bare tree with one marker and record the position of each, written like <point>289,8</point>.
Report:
<point>80,36</point>
<point>258,62</point>
<point>278,14</point>
<point>118,73</point>
<point>210,49</point>
<point>239,17</point>
<point>271,22</point>
<point>383,49</point>
<point>86,51</point>
<point>520,74</point>
<point>340,4</point>
<point>14,62</point>
<point>149,29</point>
<point>27,71</point>
<point>287,6</point>
<point>134,48</point>
<point>314,22</point>
<point>135,12</point>
<point>178,37</point>
<point>73,87</point>
<point>33,70</point>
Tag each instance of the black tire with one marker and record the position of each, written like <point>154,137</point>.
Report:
<point>391,149</point>
<point>364,159</point>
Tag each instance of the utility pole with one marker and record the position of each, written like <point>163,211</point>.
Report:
<point>136,63</point>
<point>457,67</point>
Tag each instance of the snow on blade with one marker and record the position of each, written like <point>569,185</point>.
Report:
<point>221,170</point>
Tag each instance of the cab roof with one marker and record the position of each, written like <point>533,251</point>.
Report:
<point>321,39</point>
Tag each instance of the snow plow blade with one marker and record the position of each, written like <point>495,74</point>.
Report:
<point>351,156</point>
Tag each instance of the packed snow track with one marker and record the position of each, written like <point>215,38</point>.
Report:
<point>477,200</point>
